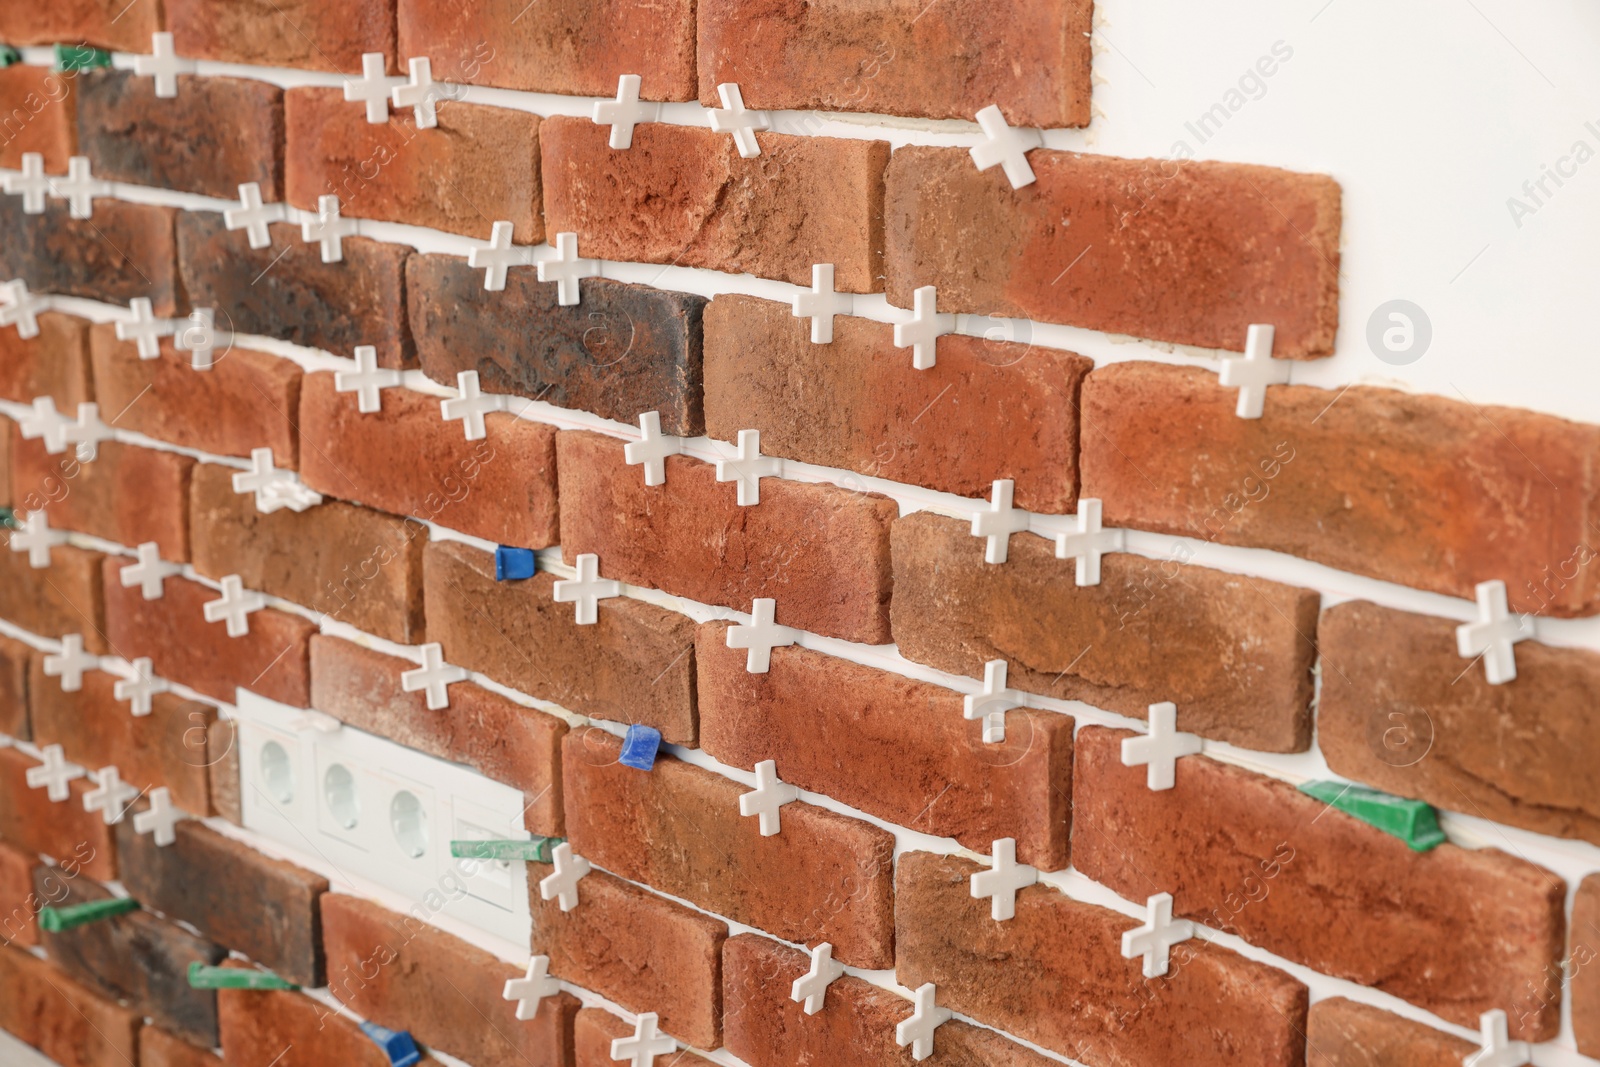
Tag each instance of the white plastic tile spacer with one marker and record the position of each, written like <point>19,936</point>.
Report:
<point>1002,881</point>
<point>562,884</point>
<point>372,88</point>
<point>1154,940</point>
<point>274,488</point>
<point>418,93</point>
<point>652,449</point>
<point>820,303</point>
<point>586,590</point>
<point>998,522</point>
<point>812,987</point>
<point>1161,748</point>
<point>70,663</point>
<point>761,635</point>
<point>54,773</point>
<point>1493,634</point>
<point>31,184</point>
<point>922,333</point>
<point>150,573</point>
<point>143,328</point>
<point>1006,146</point>
<point>767,798</point>
<point>235,606</point>
<point>748,466</point>
<point>1088,542</point>
<point>434,676</point>
<point>1254,372</point>
<point>252,215</point>
<point>992,703</point>
<point>328,229</point>
<point>1497,1049</point>
<point>163,65</point>
<point>566,269</point>
<point>732,118</point>
<point>37,539</point>
<point>87,431</point>
<point>161,818</point>
<point>625,112</point>
<point>926,1017</point>
<point>45,424</point>
<point>79,188</point>
<point>498,256</point>
<point>139,686</point>
<point>20,308</point>
<point>529,990</point>
<point>201,338</point>
<point>470,406</point>
<point>110,796</point>
<point>645,1045</point>
<point>367,381</point>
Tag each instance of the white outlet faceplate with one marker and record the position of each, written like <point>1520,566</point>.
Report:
<point>370,808</point>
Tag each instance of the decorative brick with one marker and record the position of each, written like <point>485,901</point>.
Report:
<point>402,973</point>
<point>63,598</point>
<point>1345,1033</point>
<point>625,349</point>
<point>37,114</point>
<point>246,400</point>
<point>820,551</point>
<point>305,34</point>
<point>222,744</point>
<point>112,25</point>
<point>480,164</point>
<point>127,493</point>
<point>19,905</point>
<point>53,364</point>
<point>595,1029</point>
<point>1399,486</point>
<point>349,563</point>
<point>579,47</point>
<point>405,459</point>
<point>638,950</point>
<point>1234,653</point>
<point>1453,931</point>
<point>231,893</point>
<point>1172,250</point>
<point>900,57</point>
<point>299,1031</point>
<point>1583,951</point>
<point>14,657</point>
<point>826,877</point>
<point>125,251</point>
<point>856,404</point>
<point>683,195</point>
<point>634,665</point>
<point>497,738</point>
<point>43,1007</point>
<point>30,820</point>
<point>887,744</point>
<point>158,1048</point>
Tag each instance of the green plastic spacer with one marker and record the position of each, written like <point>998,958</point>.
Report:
<point>203,977</point>
<point>9,55</point>
<point>77,57</point>
<point>1411,821</point>
<point>538,849</point>
<point>55,920</point>
<point>8,519</point>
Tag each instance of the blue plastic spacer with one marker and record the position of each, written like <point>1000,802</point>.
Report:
<point>512,564</point>
<point>639,747</point>
<point>398,1045</point>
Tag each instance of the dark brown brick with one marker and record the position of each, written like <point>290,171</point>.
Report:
<point>112,25</point>
<point>19,904</point>
<point>14,657</point>
<point>304,34</point>
<point>298,1031</point>
<point>63,598</point>
<point>624,350</point>
<point>43,1007</point>
<point>125,251</point>
<point>53,364</point>
<point>1346,1033</point>
<point>595,1029</point>
<point>38,112</point>
<point>157,1048</point>
<point>127,494</point>
<point>29,819</point>
<point>1583,965</point>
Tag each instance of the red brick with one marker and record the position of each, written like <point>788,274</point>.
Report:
<point>127,493</point>
<point>634,665</point>
<point>887,744</point>
<point>53,364</point>
<point>1345,1033</point>
<point>594,1031</point>
<point>62,831</point>
<point>578,47</point>
<point>636,949</point>
<point>112,25</point>
<point>494,736</point>
<point>902,57</point>
<point>1453,931</point>
<point>38,113</point>
<point>350,563</point>
<point>95,730</point>
<point>246,400</point>
<point>1055,975</point>
<point>406,975</point>
<point>1408,488</point>
<point>678,829</point>
<point>126,250</point>
<point>158,1048</point>
<point>41,1006</point>
<point>305,34</point>
<point>821,551</point>
<point>683,195</point>
<point>1234,653</point>
<point>298,1031</point>
<point>407,460</point>
<point>63,598</point>
<point>479,165</point>
<point>14,657</point>
<point>19,905</point>
<point>1171,250</point>
<point>1583,965</point>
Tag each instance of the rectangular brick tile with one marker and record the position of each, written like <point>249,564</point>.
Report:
<point>246,400</point>
<point>636,949</point>
<point>1347,1033</point>
<point>42,1006</point>
<point>1453,931</point>
<point>216,134</point>
<point>595,1029</point>
<point>1363,484</point>
<point>1583,962</point>
<point>137,958</point>
<point>158,1048</point>
<point>855,403</point>
<point>402,973</point>
<point>262,907</point>
<point>38,112</point>
<point>127,493</point>
<point>624,350</point>
<point>677,828</point>
<point>1172,250</point>
<point>822,552</point>
<point>298,1031</point>
<point>126,250</point>
<point>304,34</point>
<point>19,904</point>
<point>1234,653</point>
<point>579,47</point>
<point>63,598</point>
<point>351,563</point>
<point>407,460</point>
<point>14,657</point>
<point>494,736</point>
<point>477,166</point>
<point>285,291</point>
<point>30,820</point>
<point>900,57</point>
<point>1055,975</point>
<point>634,665</point>
<point>225,783</point>
<point>7,427</point>
<point>53,364</point>
<point>887,744</point>
<point>108,24</point>
<point>683,195</point>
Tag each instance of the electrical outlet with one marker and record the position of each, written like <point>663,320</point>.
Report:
<point>370,808</point>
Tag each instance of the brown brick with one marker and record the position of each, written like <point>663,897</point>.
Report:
<point>285,291</point>
<point>579,47</point>
<point>596,1028</point>
<point>222,744</point>
<point>126,250</point>
<point>19,905</point>
<point>299,1031</point>
<point>407,460</point>
<point>1171,250</point>
<point>856,404</point>
<point>158,1048</point>
<point>127,494</point>
<point>821,551</point>
<point>625,349</point>
<point>1234,653</point>
<point>406,975</point>
<point>43,1007</point>
<point>678,829</point>
<point>231,893</point>
<point>1408,488</point>
<point>634,665</point>
<point>14,657</point>
<point>305,34</point>
<point>636,949</point>
<point>63,598</point>
<point>62,831</point>
<point>7,427</point>
<point>1453,931</point>
<point>683,195</point>
<point>1345,1033</point>
<point>112,25</point>
<point>246,400</point>
<point>902,57</point>
<point>53,364</point>
<point>497,738</point>
<point>350,563</point>
<point>887,744</point>
<point>1583,965</point>
<point>479,165</point>
<point>40,110</point>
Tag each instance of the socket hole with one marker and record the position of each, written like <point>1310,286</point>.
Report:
<point>339,789</point>
<point>277,772</point>
<point>410,824</point>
